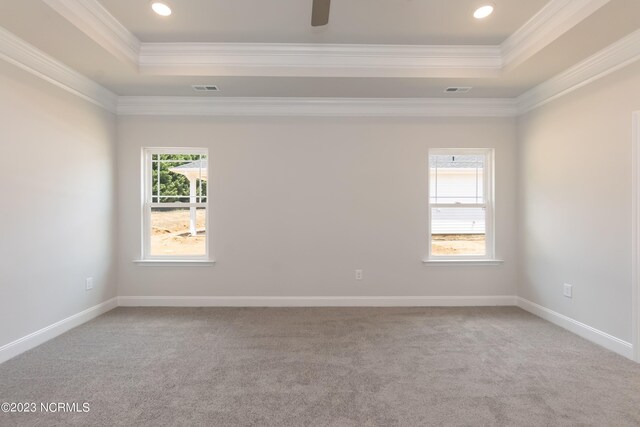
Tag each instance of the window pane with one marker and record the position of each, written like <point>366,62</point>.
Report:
<point>456,178</point>
<point>178,231</point>
<point>179,178</point>
<point>458,231</point>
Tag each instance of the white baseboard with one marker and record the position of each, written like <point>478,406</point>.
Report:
<point>607,341</point>
<point>36,338</point>
<point>226,301</point>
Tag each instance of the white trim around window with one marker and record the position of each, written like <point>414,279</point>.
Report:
<point>197,199</point>
<point>483,199</point>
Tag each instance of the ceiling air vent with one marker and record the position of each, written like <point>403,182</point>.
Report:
<point>205,88</point>
<point>452,89</point>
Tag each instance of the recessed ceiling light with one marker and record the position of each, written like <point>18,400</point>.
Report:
<point>483,11</point>
<point>160,8</point>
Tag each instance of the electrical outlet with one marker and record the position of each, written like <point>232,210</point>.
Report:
<point>567,290</point>
<point>88,284</point>
<point>358,274</point>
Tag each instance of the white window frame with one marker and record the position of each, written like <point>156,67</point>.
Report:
<point>488,205</point>
<point>148,204</point>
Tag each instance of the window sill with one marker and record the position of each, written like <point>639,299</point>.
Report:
<point>175,262</point>
<point>457,262</point>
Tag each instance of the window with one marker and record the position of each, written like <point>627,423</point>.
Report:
<point>461,204</point>
<point>175,204</point>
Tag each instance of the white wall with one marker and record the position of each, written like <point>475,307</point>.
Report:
<point>299,203</point>
<point>57,214</point>
<point>575,202</point>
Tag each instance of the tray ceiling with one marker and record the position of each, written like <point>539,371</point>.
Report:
<point>131,51</point>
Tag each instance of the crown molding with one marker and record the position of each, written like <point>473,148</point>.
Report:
<point>98,24</point>
<point>329,107</point>
<point>21,54</point>
<point>318,60</point>
<point>278,59</point>
<point>616,56</point>
<point>553,20</point>
<point>612,58</point>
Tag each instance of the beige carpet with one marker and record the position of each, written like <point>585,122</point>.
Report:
<point>323,367</point>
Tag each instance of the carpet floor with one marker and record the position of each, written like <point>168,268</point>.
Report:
<point>323,367</point>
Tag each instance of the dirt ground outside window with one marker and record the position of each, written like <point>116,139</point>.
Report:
<point>170,233</point>
<point>458,244</point>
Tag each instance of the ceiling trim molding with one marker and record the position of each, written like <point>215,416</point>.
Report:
<point>21,54</point>
<point>318,60</point>
<point>614,57</point>
<point>553,20</point>
<point>610,59</point>
<point>90,17</point>
<point>330,107</point>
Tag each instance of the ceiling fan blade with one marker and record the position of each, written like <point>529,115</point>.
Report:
<point>320,12</point>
